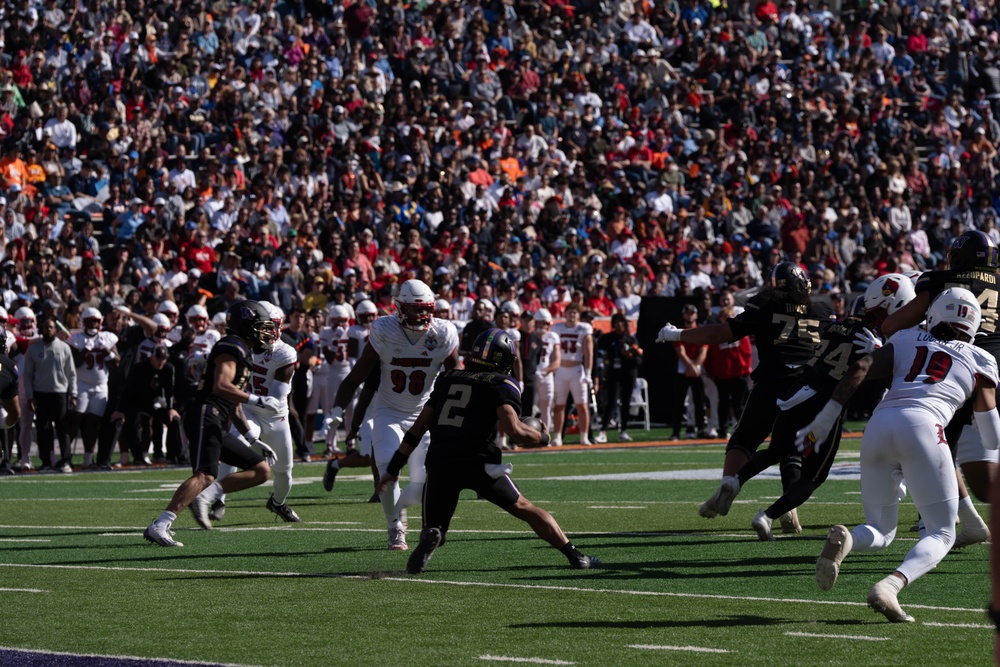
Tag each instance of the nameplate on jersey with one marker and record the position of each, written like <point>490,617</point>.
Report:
<point>410,362</point>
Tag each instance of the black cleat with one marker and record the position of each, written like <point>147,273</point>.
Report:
<point>286,513</point>
<point>430,539</point>
<point>330,476</point>
<point>585,563</point>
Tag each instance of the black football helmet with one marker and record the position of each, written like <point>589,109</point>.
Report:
<point>973,250</point>
<point>789,277</point>
<point>252,322</point>
<point>493,348</point>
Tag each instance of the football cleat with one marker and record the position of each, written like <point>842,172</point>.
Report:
<point>330,475</point>
<point>160,534</point>
<point>218,510</point>
<point>397,539</point>
<point>286,513</point>
<point>973,532</point>
<point>882,598</point>
<point>199,507</point>
<point>790,522</point>
<point>601,438</point>
<point>430,539</point>
<point>585,563</point>
<point>762,524</point>
<point>624,437</point>
<point>838,544</point>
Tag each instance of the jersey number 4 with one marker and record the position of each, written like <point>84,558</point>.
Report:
<point>937,367</point>
<point>414,382</point>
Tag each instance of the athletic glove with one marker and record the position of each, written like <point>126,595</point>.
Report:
<point>269,403</point>
<point>258,446</point>
<point>866,341</point>
<point>668,334</point>
<point>810,438</point>
<point>334,421</point>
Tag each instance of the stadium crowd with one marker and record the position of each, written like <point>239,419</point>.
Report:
<point>545,153</point>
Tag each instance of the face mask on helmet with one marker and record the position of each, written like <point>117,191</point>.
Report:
<point>198,322</point>
<point>27,325</point>
<point>415,306</point>
<point>92,325</point>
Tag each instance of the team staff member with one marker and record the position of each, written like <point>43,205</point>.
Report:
<point>50,382</point>
<point>529,350</point>
<point>785,325</point>
<point>218,400</point>
<point>147,402</point>
<point>622,357</point>
<point>463,414</point>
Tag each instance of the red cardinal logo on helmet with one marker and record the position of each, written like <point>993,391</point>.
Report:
<point>890,288</point>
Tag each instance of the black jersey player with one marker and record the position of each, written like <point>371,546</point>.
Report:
<point>462,414</point>
<point>217,401</point>
<point>841,344</point>
<point>786,326</point>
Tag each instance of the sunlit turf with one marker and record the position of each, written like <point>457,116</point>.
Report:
<point>326,591</point>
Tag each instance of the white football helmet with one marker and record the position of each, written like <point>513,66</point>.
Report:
<point>415,305</point>
<point>914,276</point>
<point>491,310</point>
<point>442,309</point>
<point>170,309</point>
<point>886,295</point>
<point>197,318</point>
<point>511,308</point>
<point>543,315</point>
<point>163,325</point>
<point>957,306</point>
<point>277,316</point>
<point>337,316</point>
<point>92,320</point>
<point>27,323</point>
<point>366,312</point>
<point>219,322</point>
<point>3,315</point>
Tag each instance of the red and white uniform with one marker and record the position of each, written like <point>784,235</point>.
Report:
<point>146,347</point>
<point>904,439</point>
<point>359,333</point>
<point>205,341</point>
<point>545,384</point>
<point>329,375</point>
<point>407,371</point>
<point>571,377</point>
<point>92,374</point>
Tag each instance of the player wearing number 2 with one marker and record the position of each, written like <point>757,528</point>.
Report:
<point>973,262</point>
<point>785,324</point>
<point>93,350</point>
<point>412,346</point>
<point>933,373</point>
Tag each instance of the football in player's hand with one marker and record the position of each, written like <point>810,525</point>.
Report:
<point>535,423</point>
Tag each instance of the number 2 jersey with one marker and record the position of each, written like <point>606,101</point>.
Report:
<point>786,335</point>
<point>264,368</point>
<point>934,375</point>
<point>465,407</point>
<point>409,369</point>
<point>96,351</point>
<point>981,283</point>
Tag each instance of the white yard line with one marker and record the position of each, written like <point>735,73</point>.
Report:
<point>23,590</point>
<point>533,661</point>
<point>444,582</point>
<point>863,638</point>
<point>120,657</point>
<point>18,539</point>
<point>695,649</point>
<point>984,626</point>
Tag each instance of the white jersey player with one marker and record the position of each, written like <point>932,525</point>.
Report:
<point>205,337</point>
<point>547,364</point>
<point>576,342</point>
<point>411,347</point>
<point>271,375</point>
<point>933,373</point>
<point>333,341</point>
<point>93,350</point>
<point>159,338</point>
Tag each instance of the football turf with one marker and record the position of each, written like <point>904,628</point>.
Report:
<point>78,578</point>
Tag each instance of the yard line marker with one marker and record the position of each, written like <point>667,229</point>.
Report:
<point>13,649</point>
<point>22,590</point>
<point>17,539</point>
<point>696,649</point>
<point>445,582</point>
<point>984,626</point>
<point>863,638</point>
<point>534,661</point>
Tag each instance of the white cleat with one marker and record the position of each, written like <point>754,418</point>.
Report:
<point>160,534</point>
<point>838,544</point>
<point>601,438</point>
<point>762,524</point>
<point>200,507</point>
<point>790,522</point>
<point>972,533</point>
<point>882,598</point>
<point>722,499</point>
<point>397,540</point>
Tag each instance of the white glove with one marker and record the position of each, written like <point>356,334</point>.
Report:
<point>269,403</point>
<point>866,341</point>
<point>810,438</point>
<point>258,446</point>
<point>668,334</point>
<point>336,418</point>
<point>331,436</point>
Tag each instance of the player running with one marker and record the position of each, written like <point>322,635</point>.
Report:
<point>463,415</point>
<point>933,373</point>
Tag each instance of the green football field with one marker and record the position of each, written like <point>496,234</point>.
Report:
<point>77,576</point>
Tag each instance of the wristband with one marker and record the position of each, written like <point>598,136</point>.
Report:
<point>396,463</point>
<point>411,440</point>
